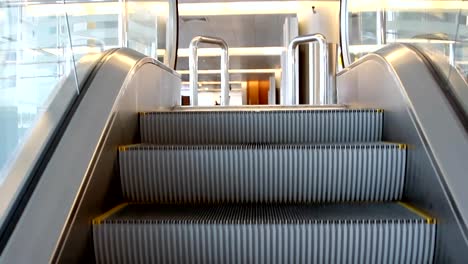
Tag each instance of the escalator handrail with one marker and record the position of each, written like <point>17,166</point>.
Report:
<point>441,79</point>
<point>444,84</point>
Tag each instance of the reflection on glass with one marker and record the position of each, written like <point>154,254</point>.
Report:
<point>442,25</point>
<point>438,28</point>
<point>40,47</point>
<point>41,42</point>
<point>35,54</point>
<point>95,26</point>
<point>147,26</point>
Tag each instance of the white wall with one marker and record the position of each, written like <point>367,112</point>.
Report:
<point>325,20</point>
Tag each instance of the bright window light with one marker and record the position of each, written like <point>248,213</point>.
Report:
<point>95,8</point>
<point>232,8</point>
<point>372,48</point>
<point>398,5</point>
<point>240,8</point>
<point>418,40</point>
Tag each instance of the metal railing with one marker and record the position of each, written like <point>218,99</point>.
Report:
<point>193,68</point>
<point>292,94</point>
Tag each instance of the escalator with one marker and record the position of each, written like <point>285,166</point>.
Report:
<point>136,178</point>
<point>236,186</point>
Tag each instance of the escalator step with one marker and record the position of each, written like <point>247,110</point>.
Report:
<point>334,233</point>
<point>273,126</point>
<point>263,173</point>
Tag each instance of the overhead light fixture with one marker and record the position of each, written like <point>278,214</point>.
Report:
<point>214,52</point>
<point>245,51</point>
<point>188,19</point>
<point>213,82</point>
<point>364,48</point>
<point>77,50</point>
<point>233,71</point>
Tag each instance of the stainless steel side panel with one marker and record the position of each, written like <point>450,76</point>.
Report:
<point>107,116</point>
<point>417,113</point>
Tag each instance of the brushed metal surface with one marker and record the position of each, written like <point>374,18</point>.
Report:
<point>418,114</point>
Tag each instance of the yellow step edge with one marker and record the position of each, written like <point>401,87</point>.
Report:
<point>101,218</point>
<point>126,147</point>
<point>400,145</point>
<point>122,148</point>
<point>429,219</point>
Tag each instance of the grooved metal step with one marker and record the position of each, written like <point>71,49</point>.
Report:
<point>337,233</point>
<point>282,125</point>
<point>263,173</point>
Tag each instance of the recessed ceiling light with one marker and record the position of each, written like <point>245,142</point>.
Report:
<point>244,51</point>
<point>233,71</point>
<point>214,82</point>
<point>188,19</point>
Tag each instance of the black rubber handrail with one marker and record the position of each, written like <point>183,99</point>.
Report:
<point>341,37</point>
<point>444,85</point>
<point>15,212</point>
<point>177,37</point>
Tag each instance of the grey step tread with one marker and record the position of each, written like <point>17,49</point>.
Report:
<point>262,126</point>
<point>338,233</point>
<point>263,172</point>
<point>263,213</point>
<point>356,145</point>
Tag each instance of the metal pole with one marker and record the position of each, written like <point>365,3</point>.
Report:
<point>123,24</point>
<point>293,84</point>
<point>452,54</point>
<point>171,37</point>
<point>381,27</point>
<point>193,68</point>
<point>332,66</point>
<point>383,30</point>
